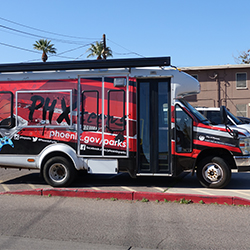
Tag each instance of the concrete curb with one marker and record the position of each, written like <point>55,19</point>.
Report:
<point>130,195</point>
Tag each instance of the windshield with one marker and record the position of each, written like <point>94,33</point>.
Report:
<point>235,119</point>
<point>196,113</point>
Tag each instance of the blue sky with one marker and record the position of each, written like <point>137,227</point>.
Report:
<point>192,32</point>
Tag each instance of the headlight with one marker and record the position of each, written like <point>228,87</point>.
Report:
<point>245,146</point>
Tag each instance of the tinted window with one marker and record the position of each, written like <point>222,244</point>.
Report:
<point>183,123</point>
<point>6,109</point>
<point>214,117</point>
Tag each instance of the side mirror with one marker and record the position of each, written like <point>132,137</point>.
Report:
<point>224,120</point>
<point>223,115</point>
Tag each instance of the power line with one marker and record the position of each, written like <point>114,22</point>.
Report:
<point>118,53</point>
<point>34,35</point>
<point>63,35</point>
<point>16,47</point>
<point>59,55</point>
<point>33,51</point>
<point>74,49</point>
<point>53,33</point>
<point>131,52</point>
<point>55,39</point>
<point>80,55</point>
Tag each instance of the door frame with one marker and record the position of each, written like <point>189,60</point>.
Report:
<point>154,126</point>
<point>102,76</point>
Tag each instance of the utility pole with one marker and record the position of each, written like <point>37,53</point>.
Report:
<point>104,47</point>
<point>216,78</point>
<point>218,92</point>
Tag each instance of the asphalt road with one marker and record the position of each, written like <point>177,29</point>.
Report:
<point>32,222</point>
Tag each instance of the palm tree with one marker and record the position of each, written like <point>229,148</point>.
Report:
<point>98,50</point>
<point>46,47</point>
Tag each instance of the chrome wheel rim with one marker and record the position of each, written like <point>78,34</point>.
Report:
<point>57,172</point>
<point>212,172</point>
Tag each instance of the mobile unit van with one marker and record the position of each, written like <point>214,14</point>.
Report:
<point>111,116</point>
<point>214,116</point>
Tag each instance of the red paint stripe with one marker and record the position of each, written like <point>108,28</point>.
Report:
<point>94,194</point>
<point>127,195</point>
<point>195,198</point>
<point>24,192</point>
<point>216,145</point>
<point>193,154</point>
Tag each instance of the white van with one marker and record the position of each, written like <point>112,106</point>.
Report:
<point>213,115</point>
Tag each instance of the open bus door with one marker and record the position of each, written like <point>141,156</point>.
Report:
<point>154,125</point>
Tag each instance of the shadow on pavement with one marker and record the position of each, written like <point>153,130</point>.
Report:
<point>239,181</point>
<point>33,178</point>
<point>98,180</point>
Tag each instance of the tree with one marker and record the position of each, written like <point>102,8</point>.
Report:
<point>46,47</point>
<point>243,58</point>
<point>97,50</point>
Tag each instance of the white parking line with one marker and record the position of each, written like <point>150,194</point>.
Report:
<point>31,185</point>
<point>95,188</point>
<point>4,186</point>
<point>160,189</point>
<point>230,191</point>
<point>242,193</point>
<point>129,189</point>
<point>201,191</point>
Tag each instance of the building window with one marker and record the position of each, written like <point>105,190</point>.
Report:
<point>241,110</point>
<point>195,76</point>
<point>241,80</point>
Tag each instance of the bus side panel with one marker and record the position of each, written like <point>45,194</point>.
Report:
<point>43,114</point>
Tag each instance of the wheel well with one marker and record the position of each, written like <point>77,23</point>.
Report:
<point>52,154</point>
<point>223,153</point>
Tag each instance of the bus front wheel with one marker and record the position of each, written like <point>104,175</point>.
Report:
<point>213,172</point>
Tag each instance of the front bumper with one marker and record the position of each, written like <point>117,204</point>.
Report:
<point>242,163</point>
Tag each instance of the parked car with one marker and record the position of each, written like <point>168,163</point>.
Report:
<point>213,115</point>
<point>244,119</point>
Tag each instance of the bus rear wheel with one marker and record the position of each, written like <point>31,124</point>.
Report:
<point>58,171</point>
<point>213,172</point>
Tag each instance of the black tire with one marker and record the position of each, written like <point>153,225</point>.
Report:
<point>58,171</point>
<point>213,172</point>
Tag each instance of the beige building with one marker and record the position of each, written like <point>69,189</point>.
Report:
<point>227,85</point>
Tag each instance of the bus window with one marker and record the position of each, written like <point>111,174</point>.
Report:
<point>116,110</point>
<point>90,110</point>
<point>6,109</point>
<point>183,131</point>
